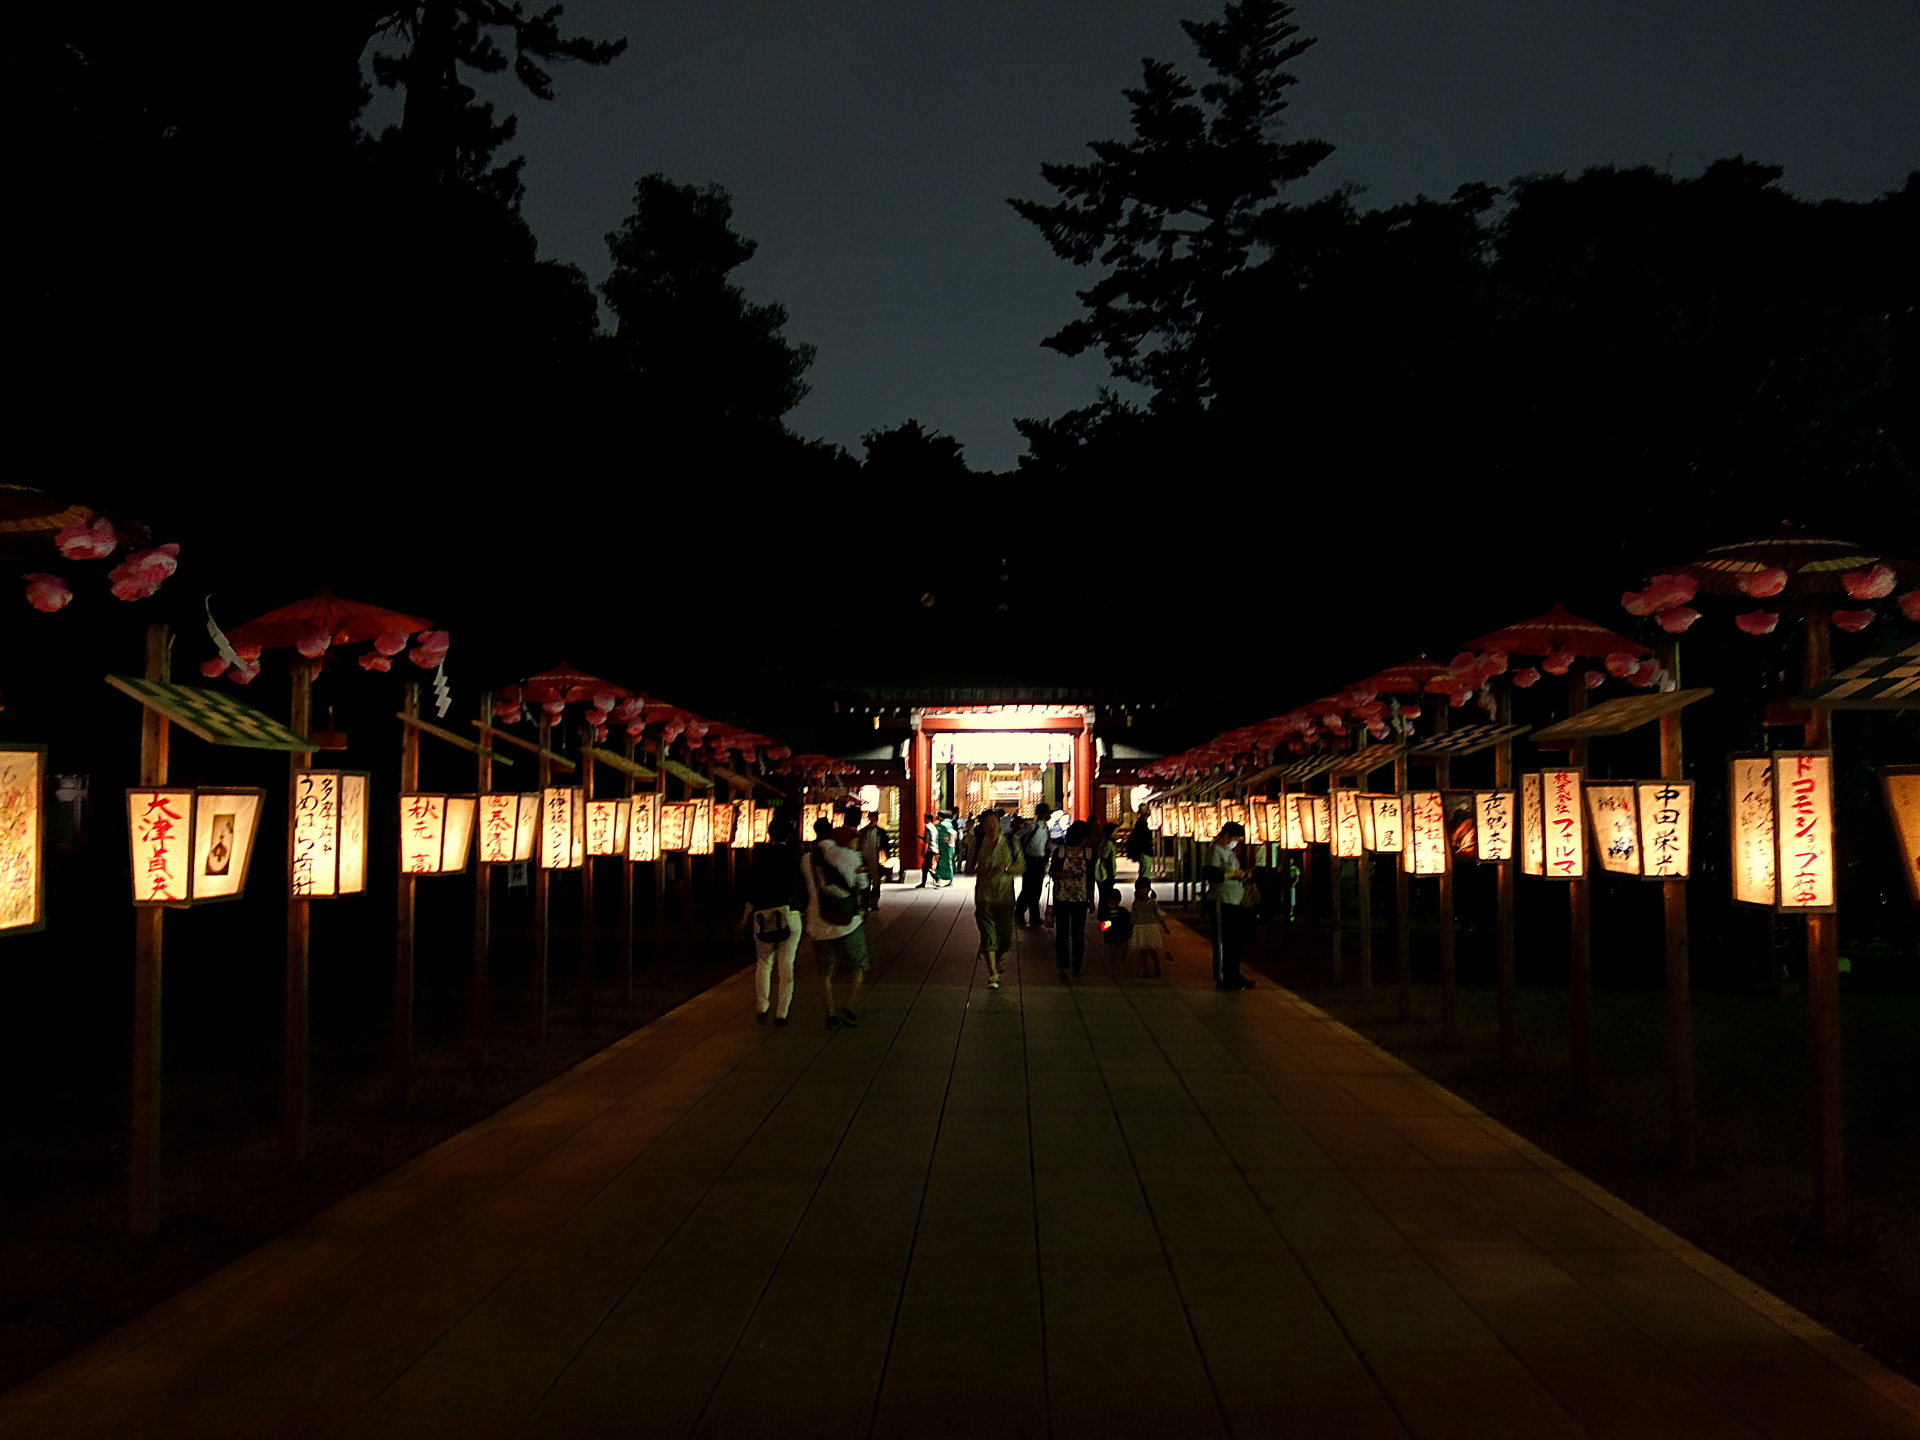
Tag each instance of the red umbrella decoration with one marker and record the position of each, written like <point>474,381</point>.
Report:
<point>38,527</point>
<point>1558,638</point>
<point>315,625</point>
<point>1794,571</point>
<point>814,766</point>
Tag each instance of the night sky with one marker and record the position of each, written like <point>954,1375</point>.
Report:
<point>870,147</point>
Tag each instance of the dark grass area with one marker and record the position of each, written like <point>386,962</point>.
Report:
<point>1751,1203</point>
<point>69,1269</point>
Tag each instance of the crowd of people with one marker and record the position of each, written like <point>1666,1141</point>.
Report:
<point>825,889</point>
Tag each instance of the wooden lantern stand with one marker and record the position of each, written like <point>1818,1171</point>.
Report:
<point>1449,973</point>
<point>1503,934</point>
<point>1403,904</point>
<point>1823,986</point>
<point>1580,922</point>
<point>588,938</point>
<point>148,936</point>
<point>402,1053</point>
<point>480,988</point>
<point>296,1063</point>
<point>538,1001</point>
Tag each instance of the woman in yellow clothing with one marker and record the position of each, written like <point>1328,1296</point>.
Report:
<point>996,864</point>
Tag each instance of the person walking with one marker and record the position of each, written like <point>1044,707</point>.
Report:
<point>1072,870</point>
<point>1106,859</point>
<point>1149,938</point>
<point>874,843</point>
<point>929,850</point>
<point>1140,847</point>
<point>1228,878</point>
<point>996,863</point>
<point>945,833</point>
<point>834,922</point>
<point>1035,842</point>
<point>776,901</point>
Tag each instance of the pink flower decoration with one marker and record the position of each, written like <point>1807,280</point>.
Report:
<point>1770,581</point>
<point>1594,678</point>
<point>1646,673</point>
<point>555,708</point>
<point>373,660</point>
<point>213,669</point>
<point>599,732</point>
<point>1620,663</point>
<point>431,650</point>
<point>1909,604</point>
<point>1851,620</point>
<point>508,710</point>
<point>1526,677</point>
<point>1465,663</point>
<point>1558,663</point>
<point>84,541</point>
<point>316,644</point>
<point>1676,618</point>
<point>1757,622</point>
<point>391,644</point>
<point>47,593</point>
<point>1457,698</point>
<point>597,718</point>
<point>1873,584</point>
<point>1409,712</point>
<point>1377,729</point>
<point>244,674</point>
<point>1637,602</point>
<point>1493,663</point>
<point>138,576</point>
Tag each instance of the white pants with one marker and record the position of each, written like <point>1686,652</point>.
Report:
<point>764,956</point>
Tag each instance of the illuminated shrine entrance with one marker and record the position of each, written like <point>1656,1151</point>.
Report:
<point>1011,758</point>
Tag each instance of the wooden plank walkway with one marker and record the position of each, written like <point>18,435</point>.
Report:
<point>1103,1209</point>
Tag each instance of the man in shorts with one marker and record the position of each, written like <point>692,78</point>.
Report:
<point>833,873</point>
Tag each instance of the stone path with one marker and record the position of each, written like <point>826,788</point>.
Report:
<point>1105,1209</point>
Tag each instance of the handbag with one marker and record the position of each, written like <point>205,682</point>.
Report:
<point>771,928</point>
<point>837,903</point>
<point>1249,896</point>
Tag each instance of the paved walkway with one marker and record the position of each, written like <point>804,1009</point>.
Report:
<point>1100,1209</point>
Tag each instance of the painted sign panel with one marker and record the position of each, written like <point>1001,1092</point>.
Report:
<point>1616,827</point>
<point>1533,826</point>
<point>643,828</point>
<point>1383,823</point>
<point>1750,791</point>
<point>1803,828</point>
<point>1426,833</point>
<point>23,777</point>
<point>1345,808</point>
<point>1493,824</point>
<point>1562,824</point>
<point>1666,828</point>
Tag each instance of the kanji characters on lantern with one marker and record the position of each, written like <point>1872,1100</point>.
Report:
<point>676,825</point>
<point>1666,828</point>
<point>191,845</point>
<point>1562,829</point>
<point>607,827</point>
<point>1425,850</point>
<point>762,824</point>
<point>700,831</point>
<point>1803,828</point>
<point>563,828</point>
<point>1616,827</point>
<point>1493,824</point>
<point>23,777</point>
<point>1750,795</point>
<point>329,834</point>
<point>1295,828</point>
<point>643,828</point>
<point>436,833</point>
<point>508,823</point>
<point>1345,812</point>
<point>1533,825</point>
<point>1383,823</point>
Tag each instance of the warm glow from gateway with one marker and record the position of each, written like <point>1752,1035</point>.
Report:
<point>1382,823</point>
<point>436,832</point>
<point>606,827</point>
<point>1533,825</point>
<point>23,776</point>
<point>508,822</point>
<point>1426,845</point>
<point>1750,790</point>
<point>1346,824</point>
<point>191,846</point>
<point>1002,747</point>
<point>1666,828</point>
<point>1616,827</point>
<point>1803,828</point>
<point>643,828</point>
<point>329,833</point>
<point>563,828</point>
<point>1563,832</point>
<point>1493,824</point>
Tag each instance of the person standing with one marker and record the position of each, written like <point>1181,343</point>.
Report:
<point>874,842</point>
<point>1072,870</point>
<point>996,861</point>
<point>776,901</point>
<point>1035,842</point>
<point>1106,859</point>
<point>1229,919</point>
<point>1140,847</point>
<point>945,833</point>
<point>929,850</point>
<point>834,922</point>
<point>1149,938</point>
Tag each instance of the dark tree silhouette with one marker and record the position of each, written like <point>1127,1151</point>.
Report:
<point>911,453</point>
<point>1178,213</point>
<point>698,353</point>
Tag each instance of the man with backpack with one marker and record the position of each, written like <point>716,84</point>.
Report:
<point>834,922</point>
<point>874,842</point>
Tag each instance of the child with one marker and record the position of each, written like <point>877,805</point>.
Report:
<point>1116,927</point>
<point>1148,940</point>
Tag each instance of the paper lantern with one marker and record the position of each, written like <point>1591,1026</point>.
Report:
<point>676,824</point>
<point>1493,825</point>
<point>436,833</point>
<point>1345,824</point>
<point>1803,829</point>
<point>762,824</point>
<point>1666,828</point>
<point>1232,812</point>
<point>1318,814</point>
<point>23,829</point>
<point>1750,792</point>
<point>724,816</point>
<point>1383,823</point>
<point>643,828</point>
<point>563,828</point>
<point>743,823</point>
<point>1206,821</point>
<point>509,821</point>
<point>191,846</point>
<point>329,833</point>
<point>607,827</point>
<point>1180,815</point>
<point>1256,823</point>
<point>1533,826</point>
<point>1900,788</point>
<point>1293,831</point>
<point>1616,827</point>
<point>1425,850</point>
<point>1463,827</point>
<point>700,835</point>
<point>1562,825</point>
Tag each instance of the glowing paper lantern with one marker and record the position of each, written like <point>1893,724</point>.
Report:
<point>1256,823</point>
<point>1182,814</point>
<point>1493,824</point>
<point>436,832</point>
<point>1562,829</point>
<point>1425,852</point>
<point>606,827</point>
<point>509,820</point>
<point>1666,828</point>
<point>23,789</point>
<point>329,833</point>
<point>1275,821</point>
<point>723,821</point>
<point>1345,810</point>
<point>191,846</point>
<point>1750,791</point>
<point>1293,829</point>
<point>563,828</point>
<point>1206,821</point>
<point>1616,827</point>
<point>643,828</point>
<point>1316,818</point>
<point>1232,812</point>
<point>1900,787</point>
<point>676,825</point>
<point>762,824</point>
<point>1533,825</point>
<point>1383,823</point>
<point>1803,828</point>
<point>700,836</point>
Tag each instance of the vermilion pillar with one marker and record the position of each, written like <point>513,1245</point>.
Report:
<point>915,796</point>
<point>1082,774</point>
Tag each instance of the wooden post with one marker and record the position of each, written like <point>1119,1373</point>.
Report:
<point>587,935</point>
<point>1366,927</point>
<point>1336,891</point>
<point>626,891</point>
<point>660,877</point>
<point>480,996</point>
<point>1823,991</point>
<point>293,1081</point>
<point>1580,927</point>
<point>1449,989</point>
<point>402,1057</point>
<point>1503,899</point>
<point>1686,1144</point>
<point>148,933</point>
<point>540,874</point>
<point>1403,905</point>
